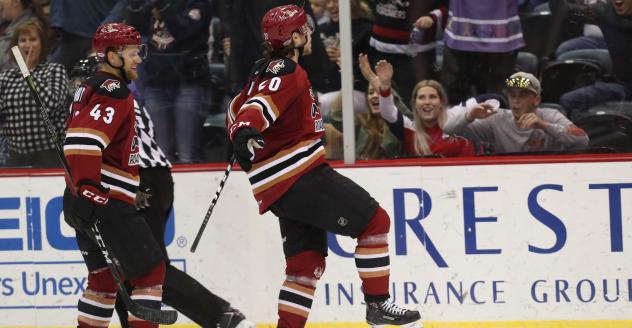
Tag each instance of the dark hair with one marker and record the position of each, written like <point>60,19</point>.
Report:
<point>32,24</point>
<point>269,52</point>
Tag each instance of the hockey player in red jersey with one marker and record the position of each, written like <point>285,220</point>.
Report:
<point>101,149</point>
<point>276,128</point>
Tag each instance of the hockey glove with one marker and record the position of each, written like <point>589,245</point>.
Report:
<point>244,144</point>
<point>91,196</point>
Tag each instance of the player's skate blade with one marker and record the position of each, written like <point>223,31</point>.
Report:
<point>233,318</point>
<point>387,313</point>
<point>416,324</point>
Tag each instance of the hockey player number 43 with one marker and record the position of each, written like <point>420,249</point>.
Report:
<point>96,114</point>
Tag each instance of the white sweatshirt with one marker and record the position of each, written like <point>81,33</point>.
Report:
<point>500,130</point>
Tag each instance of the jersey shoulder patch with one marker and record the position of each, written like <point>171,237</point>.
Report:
<point>281,66</point>
<point>108,86</point>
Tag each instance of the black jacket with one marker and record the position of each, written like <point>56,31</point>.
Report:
<point>241,21</point>
<point>177,35</point>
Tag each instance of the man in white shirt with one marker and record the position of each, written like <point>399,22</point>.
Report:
<point>525,127</point>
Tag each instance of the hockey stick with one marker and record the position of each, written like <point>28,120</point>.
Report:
<point>166,317</point>
<point>232,161</point>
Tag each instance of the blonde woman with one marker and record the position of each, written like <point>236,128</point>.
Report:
<point>423,135</point>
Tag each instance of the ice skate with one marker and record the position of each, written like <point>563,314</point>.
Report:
<point>233,318</point>
<point>380,314</point>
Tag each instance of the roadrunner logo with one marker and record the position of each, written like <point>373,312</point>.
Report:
<point>275,66</point>
<point>111,85</point>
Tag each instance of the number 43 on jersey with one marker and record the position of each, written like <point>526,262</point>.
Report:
<point>106,115</point>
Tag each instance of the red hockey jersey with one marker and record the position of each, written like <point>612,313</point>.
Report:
<point>279,102</point>
<point>439,142</point>
<point>101,143</point>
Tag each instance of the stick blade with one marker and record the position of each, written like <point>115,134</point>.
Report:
<point>20,60</point>
<point>163,317</point>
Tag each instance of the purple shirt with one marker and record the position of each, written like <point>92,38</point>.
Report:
<point>483,26</point>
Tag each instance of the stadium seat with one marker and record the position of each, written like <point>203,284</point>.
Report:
<point>600,57</point>
<point>542,7</point>
<point>218,89</point>
<point>537,31</point>
<point>608,125</point>
<point>559,77</point>
<point>216,146</point>
<point>527,62</point>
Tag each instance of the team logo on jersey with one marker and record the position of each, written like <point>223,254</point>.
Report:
<point>135,139</point>
<point>275,66</point>
<point>134,144</point>
<point>111,85</point>
<point>318,125</point>
<point>134,159</point>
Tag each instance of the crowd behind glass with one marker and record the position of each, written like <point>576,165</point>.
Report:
<point>432,78</point>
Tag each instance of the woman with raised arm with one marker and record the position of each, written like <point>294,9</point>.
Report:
<point>374,140</point>
<point>423,135</point>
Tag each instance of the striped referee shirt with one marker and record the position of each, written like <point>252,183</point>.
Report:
<point>150,153</point>
<point>24,128</point>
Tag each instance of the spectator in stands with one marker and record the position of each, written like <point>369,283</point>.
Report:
<point>242,44</point>
<point>75,22</point>
<point>321,14</point>
<point>28,140</point>
<point>423,135</point>
<point>405,34</point>
<point>614,18</point>
<point>12,13</point>
<point>481,42</point>
<point>526,127</point>
<point>45,6</point>
<point>591,38</point>
<point>374,140</point>
<point>529,5</point>
<point>177,71</point>
<point>361,24</point>
<point>241,21</point>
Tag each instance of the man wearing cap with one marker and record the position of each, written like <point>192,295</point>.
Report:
<point>525,127</point>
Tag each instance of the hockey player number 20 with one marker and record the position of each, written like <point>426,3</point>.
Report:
<point>274,85</point>
<point>96,114</point>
